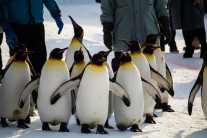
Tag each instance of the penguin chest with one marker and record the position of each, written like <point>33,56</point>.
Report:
<point>15,79</point>
<point>204,92</point>
<point>74,46</point>
<point>54,74</point>
<point>160,60</point>
<point>152,61</point>
<point>78,69</point>
<point>93,95</point>
<point>128,77</point>
<point>142,64</point>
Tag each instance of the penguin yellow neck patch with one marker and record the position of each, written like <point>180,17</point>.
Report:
<point>97,68</point>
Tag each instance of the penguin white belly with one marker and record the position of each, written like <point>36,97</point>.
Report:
<point>128,77</point>
<point>161,68</point>
<point>54,73</point>
<point>142,64</point>
<point>93,96</point>
<point>204,92</point>
<point>15,79</point>
<point>74,46</point>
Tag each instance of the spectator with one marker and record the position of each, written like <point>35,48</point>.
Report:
<point>22,21</point>
<point>188,15</point>
<point>132,20</point>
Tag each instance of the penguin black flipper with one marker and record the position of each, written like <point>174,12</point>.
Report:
<point>169,76</point>
<point>65,88</point>
<point>162,83</point>
<point>119,91</point>
<point>32,85</point>
<point>73,101</point>
<point>194,91</point>
<point>10,61</point>
<point>151,90</point>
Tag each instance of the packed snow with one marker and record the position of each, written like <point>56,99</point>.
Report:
<point>184,71</point>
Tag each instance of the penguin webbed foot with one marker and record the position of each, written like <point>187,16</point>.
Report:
<point>22,124</point>
<point>3,122</point>
<point>149,119</point>
<point>63,127</point>
<point>100,130</point>
<point>166,108</point>
<point>107,125</point>
<point>27,120</point>
<point>135,128</point>
<point>154,115</point>
<point>121,128</point>
<point>85,129</point>
<point>45,127</point>
<point>78,122</point>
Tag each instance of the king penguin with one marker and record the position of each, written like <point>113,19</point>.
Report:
<point>54,73</point>
<point>76,44</point>
<point>200,82</point>
<point>163,69</point>
<point>128,77</point>
<point>111,76</point>
<point>15,79</point>
<point>76,69</point>
<point>147,74</point>
<point>93,94</point>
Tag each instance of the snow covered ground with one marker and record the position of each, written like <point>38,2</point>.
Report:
<point>184,71</point>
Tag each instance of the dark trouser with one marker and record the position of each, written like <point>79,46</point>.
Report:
<point>1,39</point>
<point>190,35</point>
<point>33,36</point>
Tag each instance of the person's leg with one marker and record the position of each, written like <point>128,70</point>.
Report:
<point>39,56</point>
<point>188,37</point>
<point>201,35</point>
<point>172,43</point>
<point>162,45</point>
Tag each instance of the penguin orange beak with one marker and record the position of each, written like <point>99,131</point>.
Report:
<point>27,53</point>
<point>73,22</point>
<point>126,42</point>
<point>62,50</point>
<point>155,36</point>
<point>80,51</point>
<point>107,53</point>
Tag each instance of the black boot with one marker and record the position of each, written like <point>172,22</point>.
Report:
<point>135,128</point>
<point>22,124</point>
<point>85,129</point>
<point>100,130</point>
<point>63,127</point>
<point>189,52</point>
<point>3,122</point>
<point>78,122</point>
<point>45,126</point>
<point>107,125</point>
<point>203,50</point>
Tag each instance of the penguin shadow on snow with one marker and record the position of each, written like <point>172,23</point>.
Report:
<point>198,134</point>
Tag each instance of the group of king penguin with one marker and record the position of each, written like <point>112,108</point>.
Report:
<point>87,87</point>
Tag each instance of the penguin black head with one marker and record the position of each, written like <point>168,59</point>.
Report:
<point>149,48</point>
<point>22,54</point>
<point>57,53</point>
<point>78,30</point>
<point>125,57</point>
<point>151,39</point>
<point>134,46</point>
<point>104,53</point>
<point>19,46</point>
<point>78,55</point>
<point>98,59</point>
